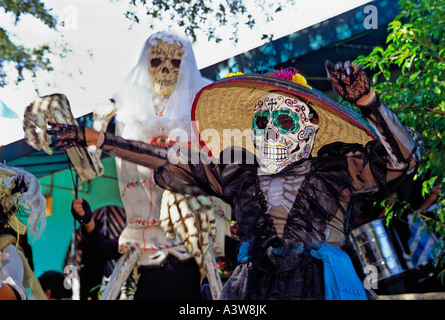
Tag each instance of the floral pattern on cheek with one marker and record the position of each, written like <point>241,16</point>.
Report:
<point>306,151</point>
<point>286,142</point>
<point>306,133</point>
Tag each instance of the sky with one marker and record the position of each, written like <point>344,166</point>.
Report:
<point>105,46</point>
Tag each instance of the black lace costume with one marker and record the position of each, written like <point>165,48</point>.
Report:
<point>284,216</point>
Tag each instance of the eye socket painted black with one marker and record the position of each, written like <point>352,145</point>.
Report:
<point>176,63</point>
<point>285,121</point>
<point>155,62</point>
<point>261,122</point>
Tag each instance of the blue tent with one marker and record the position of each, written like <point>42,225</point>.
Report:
<point>6,112</point>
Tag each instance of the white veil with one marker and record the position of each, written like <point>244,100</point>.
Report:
<point>134,100</point>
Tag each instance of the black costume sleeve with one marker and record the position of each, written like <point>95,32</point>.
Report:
<point>101,248</point>
<point>389,159</point>
<point>402,144</point>
<point>138,152</point>
<point>176,168</point>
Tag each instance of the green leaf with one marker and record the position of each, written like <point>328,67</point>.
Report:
<point>413,85</point>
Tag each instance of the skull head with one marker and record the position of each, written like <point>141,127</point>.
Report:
<point>283,131</point>
<point>165,59</point>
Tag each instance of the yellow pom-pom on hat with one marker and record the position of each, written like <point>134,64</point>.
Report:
<point>298,78</point>
<point>234,74</point>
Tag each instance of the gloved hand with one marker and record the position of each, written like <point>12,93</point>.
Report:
<point>349,81</point>
<point>67,136</point>
<point>81,211</point>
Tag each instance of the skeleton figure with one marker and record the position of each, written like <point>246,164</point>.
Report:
<point>153,106</point>
<point>283,131</point>
<point>293,225</point>
<point>56,108</point>
<point>195,220</point>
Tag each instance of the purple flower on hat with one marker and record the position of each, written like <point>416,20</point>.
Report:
<point>284,73</point>
<point>291,75</point>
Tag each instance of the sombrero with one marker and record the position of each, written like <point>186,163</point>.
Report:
<point>222,113</point>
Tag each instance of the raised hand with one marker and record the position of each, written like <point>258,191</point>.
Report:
<point>81,211</point>
<point>67,136</point>
<point>348,80</point>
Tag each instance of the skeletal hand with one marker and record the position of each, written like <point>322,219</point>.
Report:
<point>349,81</point>
<point>191,218</point>
<point>55,108</point>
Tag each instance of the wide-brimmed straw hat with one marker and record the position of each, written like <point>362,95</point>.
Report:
<point>222,113</point>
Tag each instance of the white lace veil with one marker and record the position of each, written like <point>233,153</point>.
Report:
<point>134,100</point>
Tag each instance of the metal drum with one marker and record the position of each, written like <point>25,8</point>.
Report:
<point>373,246</point>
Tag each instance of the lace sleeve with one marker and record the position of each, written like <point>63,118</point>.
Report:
<point>396,153</point>
<point>402,145</point>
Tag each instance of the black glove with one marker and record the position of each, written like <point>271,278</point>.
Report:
<point>349,81</point>
<point>67,136</point>
<point>86,217</point>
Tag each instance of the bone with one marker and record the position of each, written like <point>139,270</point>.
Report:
<point>56,108</point>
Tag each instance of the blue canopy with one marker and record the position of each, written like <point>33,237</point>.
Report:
<point>6,112</point>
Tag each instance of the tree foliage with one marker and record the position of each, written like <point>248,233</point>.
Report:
<point>410,77</point>
<point>211,18</point>
<point>16,55</point>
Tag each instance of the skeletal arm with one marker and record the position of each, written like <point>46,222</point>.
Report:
<point>403,146</point>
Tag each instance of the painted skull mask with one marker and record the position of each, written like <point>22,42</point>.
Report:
<point>165,59</point>
<point>283,131</point>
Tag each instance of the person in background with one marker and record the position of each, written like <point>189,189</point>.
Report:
<point>54,285</point>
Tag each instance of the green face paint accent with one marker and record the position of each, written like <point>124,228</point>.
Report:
<point>276,122</point>
<point>261,118</point>
<point>296,124</point>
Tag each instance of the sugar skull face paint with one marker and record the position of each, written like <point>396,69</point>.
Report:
<point>165,59</point>
<point>282,131</point>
